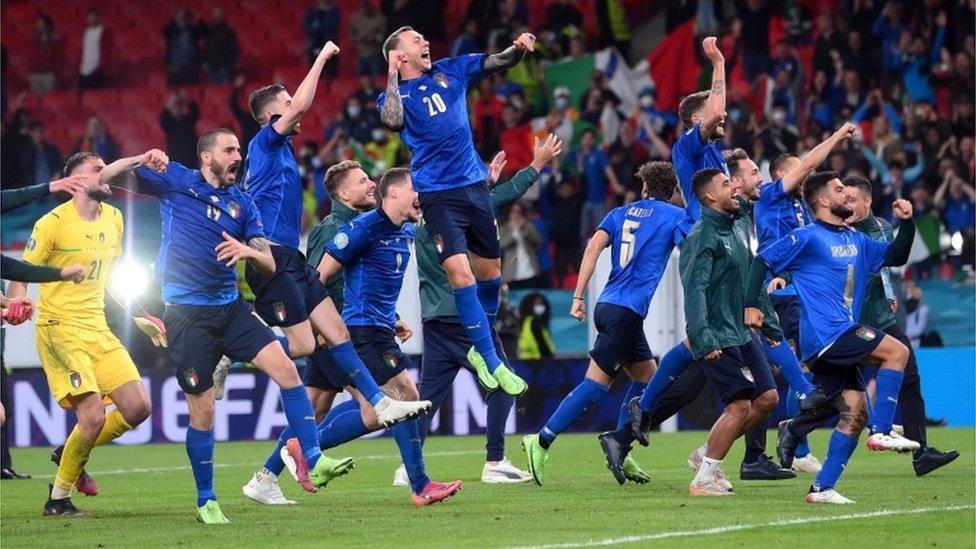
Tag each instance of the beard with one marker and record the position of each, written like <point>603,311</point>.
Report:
<point>842,211</point>
<point>224,174</point>
<point>99,194</point>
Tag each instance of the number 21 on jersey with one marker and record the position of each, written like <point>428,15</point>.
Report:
<point>628,242</point>
<point>435,104</point>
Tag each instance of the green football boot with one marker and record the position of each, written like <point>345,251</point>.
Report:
<point>327,469</point>
<point>481,369</point>
<point>536,455</point>
<point>210,513</point>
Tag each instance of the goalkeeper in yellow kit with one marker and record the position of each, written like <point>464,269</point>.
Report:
<point>86,365</point>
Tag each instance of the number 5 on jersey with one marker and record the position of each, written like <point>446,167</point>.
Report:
<point>435,104</point>
<point>627,242</point>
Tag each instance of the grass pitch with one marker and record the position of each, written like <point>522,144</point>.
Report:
<point>147,499</point>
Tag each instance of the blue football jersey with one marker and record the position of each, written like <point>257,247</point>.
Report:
<point>831,267</point>
<point>436,127</point>
<point>690,154</point>
<point>642,235</point>
<point>194,214</point>
<point>374,254</point>
<point>777,213</point>
<point>271,178</point>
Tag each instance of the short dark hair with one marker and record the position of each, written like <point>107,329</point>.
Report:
<point>702,179</point>
<point>858,181</point>
<point>815,183</point>
<point>896,165</point>
<point>393,177</point>
<point>690,105</point>
<point>76,160</point>
<point>658,178</point>
<point>260,98</point>
<point>588,130</point>
<point>208,140</point>
<point>732,158</point>
<point>336,175</point>
<point>777,162</point>
<point>391,41</point>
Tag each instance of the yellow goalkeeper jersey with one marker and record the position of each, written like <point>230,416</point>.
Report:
<point>62,238</point>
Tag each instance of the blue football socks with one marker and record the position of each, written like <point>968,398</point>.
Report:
<point>570,408</point>
<point>488,295</point>
<point>888,385</point>
<point>350,363</point>
<point>840,450</point>
<point>792,410</point>
<point>200,450</point>
<point>344,423</point>
<point>634,390</point>
<point>301,419</point>
<point>407,435</point>
<point>475,322</point>
<point>673,363</point>
<point>274,464</point>
<point>783,356</point>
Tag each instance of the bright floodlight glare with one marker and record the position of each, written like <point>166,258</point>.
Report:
<point>956,241</point>
<point>129,280</point>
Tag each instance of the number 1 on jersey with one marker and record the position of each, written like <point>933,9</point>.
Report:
<point>627,242</point>
<point>435,104</point>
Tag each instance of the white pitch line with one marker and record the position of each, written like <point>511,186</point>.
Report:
<point>218,465</point>
<point>739,527</point>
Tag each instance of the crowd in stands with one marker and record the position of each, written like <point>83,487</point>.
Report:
<point>902,70</point>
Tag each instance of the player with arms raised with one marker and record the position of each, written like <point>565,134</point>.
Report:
<point>426,102</point>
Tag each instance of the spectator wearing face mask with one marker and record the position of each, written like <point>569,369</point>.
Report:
<point>648,118</point>
<point>917,316</point>
<point>779,136</point>
<point>357,122</point>
<point>535,342</point>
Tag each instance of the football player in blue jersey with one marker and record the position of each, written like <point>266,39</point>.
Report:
<point>292,297</point>
<point>372,252</point>
<point>703,117</point>
<point>831,265</point>
<point>208,226</point>
<point>641,236</point>
<point>426,102</point>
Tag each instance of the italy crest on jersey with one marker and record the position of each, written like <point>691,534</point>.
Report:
<point>279,311</point>
<point>75,379</point>
<point>235,209</point>
<point>441,80</point>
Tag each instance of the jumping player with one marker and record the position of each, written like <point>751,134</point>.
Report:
<point>641,236</point>
<point>292,297</point>
<point>831,265</point>
<point>373,252</point>
<point>207,221</point>
<point>427,103</point>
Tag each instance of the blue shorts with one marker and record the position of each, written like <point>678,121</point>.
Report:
<point>198,335</point>
<point>462,220</point>
<point>741,372</point>
<point>837,368</point>
<point>620,338</point>
<point>378,349</point>
<point>287,297</point>
<point>787,309</point>
<point>314,375</point>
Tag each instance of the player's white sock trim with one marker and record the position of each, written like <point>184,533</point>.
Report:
<point>707,470</point>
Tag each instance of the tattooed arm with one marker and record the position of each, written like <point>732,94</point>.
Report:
<point>510,56</point>
<point>392,113</point>
<point>256,251</point>
<point>715,106</point>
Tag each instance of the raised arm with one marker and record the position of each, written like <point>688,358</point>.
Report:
<point>305,94</point>
<point>901,248</point>
<point>594,248</point>
<point>154,159</point>
<point>15,198</point>
<point>715,106</point>
<point>510,56</point>
<point>816,157</point>
<point>392,113</point>
<point>513,189</point>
